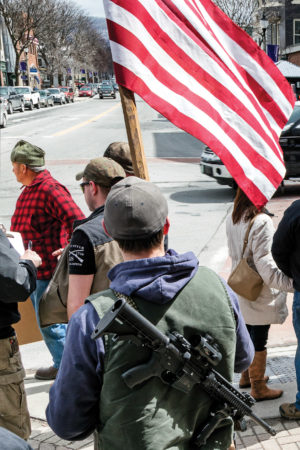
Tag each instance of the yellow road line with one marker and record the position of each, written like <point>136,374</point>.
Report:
<point>82,124</point>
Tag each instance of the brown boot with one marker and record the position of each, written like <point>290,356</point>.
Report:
<point>245,380</point>
<point>259,390</point>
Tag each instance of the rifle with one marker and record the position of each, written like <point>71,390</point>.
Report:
<point>180,364</point>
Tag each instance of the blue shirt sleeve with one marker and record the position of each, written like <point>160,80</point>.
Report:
<point>73,409</point>
<point>244,352</point>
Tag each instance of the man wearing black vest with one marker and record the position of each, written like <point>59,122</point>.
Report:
<point>92,253</point>
<point>173,293</point>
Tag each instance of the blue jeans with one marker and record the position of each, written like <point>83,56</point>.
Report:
<point>296,323</point>
<point>55,335</point>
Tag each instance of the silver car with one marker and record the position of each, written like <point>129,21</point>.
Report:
<point>59,96</point>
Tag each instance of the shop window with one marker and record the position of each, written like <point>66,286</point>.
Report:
<point>297,31</point>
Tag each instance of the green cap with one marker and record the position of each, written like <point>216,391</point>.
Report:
<point>120,152</point>
<point>134,209</point>
<point>26,153</point>
<point>103,171</point>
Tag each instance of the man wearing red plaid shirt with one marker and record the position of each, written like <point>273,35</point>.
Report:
<point>44,215</point>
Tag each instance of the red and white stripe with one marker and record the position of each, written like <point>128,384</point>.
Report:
<point>191,63</point>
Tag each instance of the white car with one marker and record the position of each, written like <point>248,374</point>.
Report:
<point>59,96</point>
<point>31,97</point>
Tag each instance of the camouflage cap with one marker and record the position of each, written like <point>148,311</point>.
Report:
<point>103,171</point>
<point>120,152</point>
<point>26,153</point>
<point>134,209</point>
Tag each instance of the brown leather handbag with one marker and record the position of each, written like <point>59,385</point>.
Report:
<point>244,280</point>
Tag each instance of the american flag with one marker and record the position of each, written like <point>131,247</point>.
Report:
<point>196,67</point>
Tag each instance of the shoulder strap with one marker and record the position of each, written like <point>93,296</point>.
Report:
<point>247,235</point>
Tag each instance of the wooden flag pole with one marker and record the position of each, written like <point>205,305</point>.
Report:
<point>134,133</point>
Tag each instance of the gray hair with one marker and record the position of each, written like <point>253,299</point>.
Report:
<point>36,169</point>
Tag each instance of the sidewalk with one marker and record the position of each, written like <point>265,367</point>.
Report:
<point>280,368</point>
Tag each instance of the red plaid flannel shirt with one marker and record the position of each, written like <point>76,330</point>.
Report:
<point>44,214</point>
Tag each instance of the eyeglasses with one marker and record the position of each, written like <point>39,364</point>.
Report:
<point>85,183</point>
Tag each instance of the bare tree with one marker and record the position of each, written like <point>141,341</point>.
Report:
<point>25,19</point>
<point>66,35</point>
<point>240,11</point>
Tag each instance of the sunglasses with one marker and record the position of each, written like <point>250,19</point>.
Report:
<point>85,183</point>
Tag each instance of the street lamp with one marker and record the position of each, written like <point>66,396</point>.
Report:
<point>264,23</point>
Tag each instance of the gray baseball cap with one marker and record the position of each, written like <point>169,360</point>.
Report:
<point>134,209</point>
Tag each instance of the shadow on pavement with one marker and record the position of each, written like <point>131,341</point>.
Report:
<point>221,195</point>
<point>177,144</point>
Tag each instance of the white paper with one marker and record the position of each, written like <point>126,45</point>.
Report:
<point>16,241</point>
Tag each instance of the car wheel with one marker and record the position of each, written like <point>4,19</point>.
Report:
<point>10,108</point>
<point>113,96</point>
<point>38,105</point>
<point>22,109</point>
<point>101,97</point>
<point>31,106</point>
<point>4,121</point>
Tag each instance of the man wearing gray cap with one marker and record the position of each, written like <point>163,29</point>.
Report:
<point>92,253</point>
<point>44,215</point>
<point>171,291</point>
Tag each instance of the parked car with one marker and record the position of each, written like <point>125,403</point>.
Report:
<point>290,144</point>
<point>69,93</point>
<point>31,97</point>
<point>58,95</point>
<point>86,91</point>
<point>106,90</point>
<point>94,87</point>
<point>12,100</point>
<point>212,166</point>
<point>289,140</point>
<point>46,98</point>
<point>3,114</point>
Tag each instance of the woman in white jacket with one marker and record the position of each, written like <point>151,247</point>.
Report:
<point>270,306</point>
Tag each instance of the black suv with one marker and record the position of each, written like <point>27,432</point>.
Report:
<point>12,99</point>
<point>290,144</point>
<point>212,165</point>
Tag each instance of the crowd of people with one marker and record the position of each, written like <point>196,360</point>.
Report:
<point>121,251</point>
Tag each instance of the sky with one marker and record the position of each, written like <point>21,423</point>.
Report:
<point>92,7</point>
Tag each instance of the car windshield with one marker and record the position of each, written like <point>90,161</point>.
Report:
<point>85,88</point>
<point>22,90</point>
<point>54,91</point>
<point>3,91</point>
<point>43,93</point>
<point>64,89</point>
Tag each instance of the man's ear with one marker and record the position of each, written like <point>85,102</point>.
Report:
<point>104,228</point>
<point>94,187</point>
<point>166,226</point>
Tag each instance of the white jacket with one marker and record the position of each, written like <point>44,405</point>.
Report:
<point>270,306</point>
